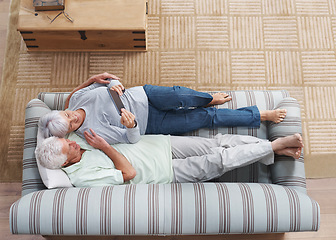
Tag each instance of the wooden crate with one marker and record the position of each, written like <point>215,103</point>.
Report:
<point>92,25</point>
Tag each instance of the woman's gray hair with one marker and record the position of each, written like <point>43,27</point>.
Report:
<point>52,124</point>
<point>49,153</point>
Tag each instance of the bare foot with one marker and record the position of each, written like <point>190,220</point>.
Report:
<point>291,152</point>
<point>276,115</point>
<point>219,98</point>
<point>289,146</point>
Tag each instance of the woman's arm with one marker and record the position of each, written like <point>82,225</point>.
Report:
<point>100,78</point>
<point>120,162</point>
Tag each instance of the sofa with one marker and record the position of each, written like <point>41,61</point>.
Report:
<point>252,199</point>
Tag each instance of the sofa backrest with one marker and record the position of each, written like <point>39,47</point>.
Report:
<point>285,171</point>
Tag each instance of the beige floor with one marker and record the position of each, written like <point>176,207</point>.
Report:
<point>322,190</point>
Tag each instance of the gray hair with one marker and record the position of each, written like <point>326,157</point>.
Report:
<point>52,124</point>
<point>49,153</point>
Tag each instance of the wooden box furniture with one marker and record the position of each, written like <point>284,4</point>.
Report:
<point>89,25</point>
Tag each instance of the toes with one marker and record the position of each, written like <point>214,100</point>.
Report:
<point>219,98</point>
<point>281,115</point>
<point>228,98</point>
<point>223,95</point>
<point>299,138</point>
<point>282,112</point>
<point>280,119</point>
<point>298,153</point>
<point>222,98</point>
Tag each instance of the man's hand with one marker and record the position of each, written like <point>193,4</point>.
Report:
<point>120,161</point>
<point>127,118</point>
<point>95,140</point>
<point>100,78</point>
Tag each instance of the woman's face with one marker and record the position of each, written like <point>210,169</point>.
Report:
<point>74,119</point>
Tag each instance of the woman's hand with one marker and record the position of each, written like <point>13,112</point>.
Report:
<point>119,89</point>
<point>95,140</point>
<point>127,118</point>
<point>100,78</point>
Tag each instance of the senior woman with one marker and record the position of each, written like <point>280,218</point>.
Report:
<point>147,110</point>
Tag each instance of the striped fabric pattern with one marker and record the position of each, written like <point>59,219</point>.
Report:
<point>31,180</point>
<point>279,170</point>
<point>252,199</point>
<point>189,208</point>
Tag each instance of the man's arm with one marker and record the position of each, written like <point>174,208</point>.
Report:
<point>120,162</point>
<point>100,78</point>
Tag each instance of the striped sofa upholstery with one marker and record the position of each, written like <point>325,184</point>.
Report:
<point>253,199</point>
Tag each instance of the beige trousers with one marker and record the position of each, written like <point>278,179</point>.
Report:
<point>197,159</point>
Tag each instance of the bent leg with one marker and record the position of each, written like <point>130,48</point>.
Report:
<point>176,98</point>
<point>221,160</point>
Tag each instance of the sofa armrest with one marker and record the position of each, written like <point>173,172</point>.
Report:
<point>287,171</point>
<point>31,180</point>
<point>55,101</point>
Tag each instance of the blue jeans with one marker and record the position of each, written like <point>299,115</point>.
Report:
<point>177,110</point>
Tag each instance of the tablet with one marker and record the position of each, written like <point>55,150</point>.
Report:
<point>117,102</point>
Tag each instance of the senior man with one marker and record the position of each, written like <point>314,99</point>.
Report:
<point>158,158</point>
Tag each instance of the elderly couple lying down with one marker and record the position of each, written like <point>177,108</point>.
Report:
<point>100,154</point>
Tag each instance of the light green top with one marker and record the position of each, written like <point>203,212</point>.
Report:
<point>151,157</point>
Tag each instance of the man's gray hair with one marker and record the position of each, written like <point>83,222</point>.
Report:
<point>49,153</point>
<point>52,124</point>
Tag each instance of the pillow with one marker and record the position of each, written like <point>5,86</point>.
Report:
<point>51,178</point>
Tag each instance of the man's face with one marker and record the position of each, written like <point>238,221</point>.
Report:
<point>73,118</point>
<point>72,150</point>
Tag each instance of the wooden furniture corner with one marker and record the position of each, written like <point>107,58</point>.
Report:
<point>89,25</point>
